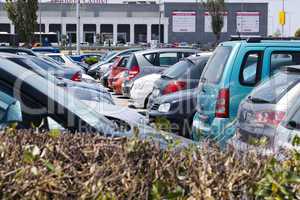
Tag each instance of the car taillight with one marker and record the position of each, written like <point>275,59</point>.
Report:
<point>269,117</point>
<point>174,86</point>
<point>222,105</point>
<point>133,72</point>
<point>77,77</point>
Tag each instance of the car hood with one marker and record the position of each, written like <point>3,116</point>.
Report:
<point>128,115</point>
<point>178,96</point>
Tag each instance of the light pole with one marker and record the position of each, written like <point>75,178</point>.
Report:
<point>78,27</point>
<point>40,25</point>
<point>283,21</point>
<point>161,10</point>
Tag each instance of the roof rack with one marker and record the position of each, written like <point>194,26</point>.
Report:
<point>257,39</point>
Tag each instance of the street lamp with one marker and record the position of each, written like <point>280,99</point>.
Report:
<point>40,19</point>
<point>78,27</point>
<point>161,10</point>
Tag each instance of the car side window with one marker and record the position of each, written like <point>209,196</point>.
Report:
<point>58,58</point>
<point>151,58</point>
<point>250,72</point>
<point>167,59</point>
<point>283,58</point>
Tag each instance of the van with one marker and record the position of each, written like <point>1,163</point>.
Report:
<point>234,69</point>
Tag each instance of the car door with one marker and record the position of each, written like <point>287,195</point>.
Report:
<point>246,74</point>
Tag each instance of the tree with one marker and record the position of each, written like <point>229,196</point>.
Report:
<point>297,33</point>
<point>23,15</point>
<point>216,10</point>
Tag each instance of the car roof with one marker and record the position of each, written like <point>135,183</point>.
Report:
<point>11,55</point>
<point>166,50</point>
<point>264,43</point>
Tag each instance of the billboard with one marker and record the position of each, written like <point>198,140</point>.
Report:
<point>247,22</point>
<point>184,21</point>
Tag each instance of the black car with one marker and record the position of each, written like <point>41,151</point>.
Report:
<point>177,108</point>
<point>19,51</point>
<point>183,75</point>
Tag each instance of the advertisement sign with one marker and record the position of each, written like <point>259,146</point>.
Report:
<point>81,1</point>
<point>247,22</point>
<point>184,21</point>
<point>207,22</point>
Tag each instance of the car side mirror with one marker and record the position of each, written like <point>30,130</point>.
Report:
<point>13,113</point>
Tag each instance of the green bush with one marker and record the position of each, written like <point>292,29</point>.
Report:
<point>84,166</point>
<point>91,60</point>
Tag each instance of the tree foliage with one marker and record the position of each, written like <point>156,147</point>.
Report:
<point>297,33</point>
<point>216,10</point>
<point>23,15</point>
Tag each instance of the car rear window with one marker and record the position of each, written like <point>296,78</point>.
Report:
<point>272,90</point>
<point>178,69</point>
<point>215,66</point>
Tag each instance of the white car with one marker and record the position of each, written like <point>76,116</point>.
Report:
<point>64,59</point>
<point>142,89</point>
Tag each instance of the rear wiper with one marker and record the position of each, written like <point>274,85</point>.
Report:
<point>165,76</point>
<point>257,100</point>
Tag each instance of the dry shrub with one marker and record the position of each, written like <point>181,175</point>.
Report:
<point>85,166</point>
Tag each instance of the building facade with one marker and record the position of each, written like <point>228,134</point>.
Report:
<point>139,23</point>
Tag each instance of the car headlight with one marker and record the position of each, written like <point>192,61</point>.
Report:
<point>164,107</point>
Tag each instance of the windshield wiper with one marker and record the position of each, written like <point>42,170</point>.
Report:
<point>258,100</point>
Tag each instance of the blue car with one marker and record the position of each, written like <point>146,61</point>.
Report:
<point>45,50</point>
<point>235,68</point>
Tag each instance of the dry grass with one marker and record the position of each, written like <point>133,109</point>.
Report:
<point>84,166</point>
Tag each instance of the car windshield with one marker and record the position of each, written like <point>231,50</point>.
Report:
<point>216,64</point>
<point>273,89</point>
<point>109,55</point>
<point>46,65</point>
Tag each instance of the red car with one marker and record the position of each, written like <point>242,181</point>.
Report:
<point>118,81</point>
<point>118,67</point>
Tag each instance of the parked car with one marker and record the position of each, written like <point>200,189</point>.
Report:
<point>19,51</point>
<point>183,75</point>
<point>43,68</point>
<point>66,60</point>
<point>234,69</point>
<point>152,61</point>
<point>45,50</point>
<point>141,90</point>
<point>37,63</point>
<point>108,60</point>
<point>264,109</point>
<point>288,131</point>
<point>36,94</point>
<point>116,68</point>
<point>177,108</point>
<point>117,82</point>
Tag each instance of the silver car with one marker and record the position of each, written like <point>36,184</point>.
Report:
<point>153,61</point>
<point>264,109</point>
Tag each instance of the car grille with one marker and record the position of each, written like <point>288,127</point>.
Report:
<point>155,106</point>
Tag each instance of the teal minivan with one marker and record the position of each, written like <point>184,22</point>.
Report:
<point>235,68</point>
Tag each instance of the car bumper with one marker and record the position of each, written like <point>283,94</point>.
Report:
<point>176,120</point>
<point>220,130</point>
<point>137,102</point>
